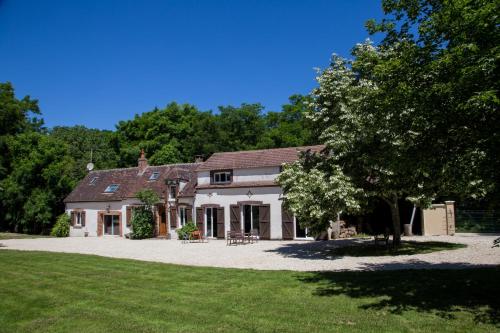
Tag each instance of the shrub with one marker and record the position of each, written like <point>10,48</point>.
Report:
<point>142,217</point>
<point>187,229</point>
<point>142,223</point>
<point>61,228</point>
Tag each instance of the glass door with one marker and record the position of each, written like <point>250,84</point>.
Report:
<point>211,219</point>
<point>251,219</point>
<point>112,225</point>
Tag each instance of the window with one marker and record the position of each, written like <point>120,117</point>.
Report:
<point>221,177</point>
<point>183,216</point>
<point>93,181</point>
<point>154,175</point>
<point>112,188</point>
<point>173,192</point>
<point>78,219</point>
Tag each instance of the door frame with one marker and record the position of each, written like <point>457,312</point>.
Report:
<point>101,224</point>
<point>214,225</point>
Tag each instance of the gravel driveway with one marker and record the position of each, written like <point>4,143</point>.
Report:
<point>268,255</point>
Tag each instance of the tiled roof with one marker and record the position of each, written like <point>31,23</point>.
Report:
<point>131,181</point>
<point>255,158</point>
<point>259,183</point>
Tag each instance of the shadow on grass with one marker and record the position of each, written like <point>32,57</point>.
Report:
<point>445,292</point>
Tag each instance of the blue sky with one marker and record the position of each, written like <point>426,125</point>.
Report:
<point>94,63</point>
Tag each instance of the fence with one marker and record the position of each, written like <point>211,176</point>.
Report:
<point>487,221</point>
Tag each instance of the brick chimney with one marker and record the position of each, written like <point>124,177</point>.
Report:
<point>142,162</point>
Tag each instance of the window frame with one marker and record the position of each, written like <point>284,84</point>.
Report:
<point>109,188</point>
<point>93,181</point>
<point>182,216</point>
<point>172,196</point>
<point>152,178</point>
<point>78,218</point>
<point>228,175</point>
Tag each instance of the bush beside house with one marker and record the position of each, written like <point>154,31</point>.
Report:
<point>61,228</point>
<point>143,216</point>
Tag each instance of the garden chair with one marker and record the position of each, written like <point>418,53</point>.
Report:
<point>496,242</point>
<point>383,237</point>
<point>198,235</point>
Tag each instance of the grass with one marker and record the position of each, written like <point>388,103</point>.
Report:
<point>406,248</point>
<point>12,235</point>
<point>56,292</point>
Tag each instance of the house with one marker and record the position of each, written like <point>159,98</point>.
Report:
<point>102,203</point>
<point>229,191</point>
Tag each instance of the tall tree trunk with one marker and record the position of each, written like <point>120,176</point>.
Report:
<point>396,221</point>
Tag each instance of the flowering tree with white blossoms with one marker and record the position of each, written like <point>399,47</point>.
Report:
<point>415,118</point>
<point>317,192</point>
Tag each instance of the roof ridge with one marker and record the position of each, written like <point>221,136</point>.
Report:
<point>149,166</point>
<point>265,149</point>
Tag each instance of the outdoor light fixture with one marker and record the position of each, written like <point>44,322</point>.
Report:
<point>108,207</point>
<point>249,193</point>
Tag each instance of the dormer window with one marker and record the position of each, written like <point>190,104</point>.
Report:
<point>93,181</point>
<point>112,188</point>
<point>154,176</point>
<point>222,177</point>
<point>173,192</point>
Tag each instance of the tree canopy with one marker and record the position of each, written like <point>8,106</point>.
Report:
<point>416,117</point>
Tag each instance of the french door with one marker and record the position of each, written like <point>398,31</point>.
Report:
<point>251,219</point>
<point>211,221</point>
<point>112,225</point>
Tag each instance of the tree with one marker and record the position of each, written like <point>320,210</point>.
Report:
<point>239,128</point>
<point>82,141</point>
<point>415,118</point>
<point>289,127</point>
<point>316,191</point>
<point>143,216</point>
<point>33,192</point>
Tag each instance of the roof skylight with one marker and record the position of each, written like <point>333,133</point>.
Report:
<point>154,175</point>
<point>112,188</point>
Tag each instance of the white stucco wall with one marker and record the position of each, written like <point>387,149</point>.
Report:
<point>92,208</point>
<point>244,175</point>
<point>230,196</point>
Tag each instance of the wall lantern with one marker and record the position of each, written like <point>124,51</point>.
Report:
<point>108,207</point>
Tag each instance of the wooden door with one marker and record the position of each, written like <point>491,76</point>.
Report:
<point>286,223</point>
<point>265,222</point>
<point>162,221</point>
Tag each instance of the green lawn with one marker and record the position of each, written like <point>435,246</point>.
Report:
<point>55,292</point>
<point>12,235</point>
<point>406,248</point>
